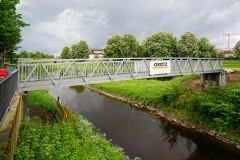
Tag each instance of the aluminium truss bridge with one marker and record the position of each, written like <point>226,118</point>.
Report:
<point>42,74</point>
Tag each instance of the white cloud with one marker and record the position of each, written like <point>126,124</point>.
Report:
<point>223,15</point>
<point>27,8</point>
<point>69,27</point>
<point>59,23</point>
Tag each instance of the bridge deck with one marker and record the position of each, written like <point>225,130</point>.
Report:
<point>54,73</point>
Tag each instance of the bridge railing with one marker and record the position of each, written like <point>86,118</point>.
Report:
<point>8,88</point>
<point>86,71</point>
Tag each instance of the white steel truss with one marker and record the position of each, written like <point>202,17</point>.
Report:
<point>40,74</point>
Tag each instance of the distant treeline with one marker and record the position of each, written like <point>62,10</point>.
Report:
<point>160,44</point>
<point>12,58</point>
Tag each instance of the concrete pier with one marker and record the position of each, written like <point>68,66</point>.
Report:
<point>219,79</point>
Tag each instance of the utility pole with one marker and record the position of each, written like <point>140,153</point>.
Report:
<point>229,35</point>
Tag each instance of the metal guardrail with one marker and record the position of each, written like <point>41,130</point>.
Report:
<point>10,68</point>
<point>40,74</point>
<point>8,88</point>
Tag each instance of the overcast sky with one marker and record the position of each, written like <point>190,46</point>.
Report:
<point>55,24</point>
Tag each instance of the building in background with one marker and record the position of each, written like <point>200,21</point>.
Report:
<point>227,53</point>
<point>96,53</point>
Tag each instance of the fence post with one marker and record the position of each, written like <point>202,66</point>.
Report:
<point>24,102</point>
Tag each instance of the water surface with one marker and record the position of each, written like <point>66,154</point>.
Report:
<point>140,134</point>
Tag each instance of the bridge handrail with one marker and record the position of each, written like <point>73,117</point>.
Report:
<point>8,88</point>
<point>114,59</point>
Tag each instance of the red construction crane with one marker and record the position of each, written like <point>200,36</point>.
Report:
<point>229,35</point>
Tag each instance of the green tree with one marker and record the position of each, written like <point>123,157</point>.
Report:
<point>66,53</point>
<point>160,44</point>
<point>236,50</point>
<point>24,54</point>
<point>141,51</point>
<point>113,48</point>
<point>130,46</point>
<point>80,50</point>
<point>48,56</point>
<point>187,46</point>
<point>121,47</point>
<point>73,51</point>
<point>38,55</point>
<point>10,27</point>
<point>206,49</point>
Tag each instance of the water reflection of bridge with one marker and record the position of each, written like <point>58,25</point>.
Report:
<point>40,74</point>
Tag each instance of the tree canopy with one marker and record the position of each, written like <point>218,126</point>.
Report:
<point>206,49</point>
<point>66,53</point>
<point>187,46</point>
<point>36,55</point>
<point>80,50</point>
<point>10,25</point>
<point>160,44</point>
<point>236,50</point>
<point>10,29</point>
<point>130,46</point>
<point>125,46</point>
<point>113,47</point>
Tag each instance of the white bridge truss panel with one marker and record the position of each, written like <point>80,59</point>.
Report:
<point>40,74</point>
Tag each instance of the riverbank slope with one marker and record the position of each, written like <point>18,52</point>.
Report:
<point>210,111</point>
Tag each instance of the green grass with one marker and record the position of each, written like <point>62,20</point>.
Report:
<point>61,140</point>
<point>41,99</point>
<point>144,91</point>
<point>231,64</point>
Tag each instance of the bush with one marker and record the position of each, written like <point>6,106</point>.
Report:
<point>220,107</point>
<point>171,97</point>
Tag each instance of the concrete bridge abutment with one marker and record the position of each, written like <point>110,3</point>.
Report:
<point>10,125</point>
<point>218,79</point>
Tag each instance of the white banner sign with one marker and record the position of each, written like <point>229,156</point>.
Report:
<point>160,67</point>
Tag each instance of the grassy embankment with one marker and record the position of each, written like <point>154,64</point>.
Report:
<point>61,140</point>
<point>232,64</point>
<point>215,108</point>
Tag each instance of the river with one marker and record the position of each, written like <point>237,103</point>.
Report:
<point>137,132</point>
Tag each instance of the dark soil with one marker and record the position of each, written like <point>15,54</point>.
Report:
<point>233,76</point>
<point>42,115</point>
